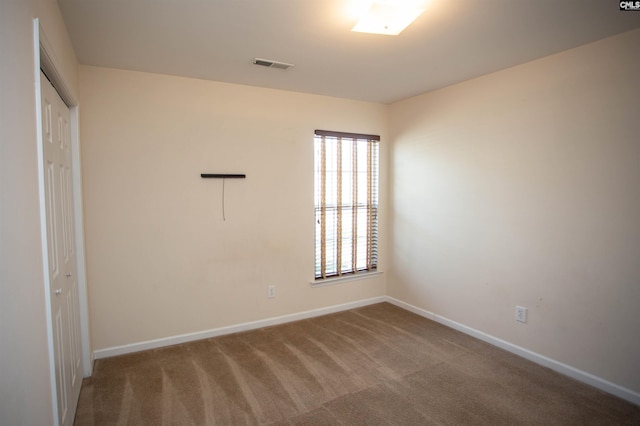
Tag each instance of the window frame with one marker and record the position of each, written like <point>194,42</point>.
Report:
<point>359,212</point>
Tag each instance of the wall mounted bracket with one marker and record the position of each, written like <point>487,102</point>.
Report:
<point>222,176</point>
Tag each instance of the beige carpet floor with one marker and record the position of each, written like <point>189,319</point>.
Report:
<point>376,365</point>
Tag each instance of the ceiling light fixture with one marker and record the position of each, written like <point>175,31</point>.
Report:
<point>388,17</point>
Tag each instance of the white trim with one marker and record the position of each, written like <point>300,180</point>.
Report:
<point>567,370</point>
<point>46,59</point>
<point>350,277</point>
<point>183,338</point>
<point>81,272</point>
<point>411,308</point>
<point>48,62</point>
<point>43,222</point>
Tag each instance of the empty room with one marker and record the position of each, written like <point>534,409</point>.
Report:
<point>344,212</point>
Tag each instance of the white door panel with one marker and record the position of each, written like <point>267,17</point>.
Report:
<point>60,244</point>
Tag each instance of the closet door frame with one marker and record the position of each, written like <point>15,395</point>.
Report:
<point>45,59</point>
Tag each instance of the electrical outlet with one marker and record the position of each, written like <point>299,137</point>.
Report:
<point>521,314</point>
<point>271,291</point>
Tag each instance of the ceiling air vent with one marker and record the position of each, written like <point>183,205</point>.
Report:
<point>272,64</point>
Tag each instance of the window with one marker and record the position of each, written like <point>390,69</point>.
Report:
<point>346,203</point>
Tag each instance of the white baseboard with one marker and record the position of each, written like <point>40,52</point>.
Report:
<point>184,338</point>
<point>567,370</point>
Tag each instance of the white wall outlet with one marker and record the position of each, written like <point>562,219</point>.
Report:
<point>271,291</point>
<point>521,314</point>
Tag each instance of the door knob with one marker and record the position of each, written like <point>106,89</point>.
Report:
<point>58,291</point>
<point>68,274</point>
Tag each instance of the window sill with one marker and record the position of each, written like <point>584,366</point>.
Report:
<point>338,280</point>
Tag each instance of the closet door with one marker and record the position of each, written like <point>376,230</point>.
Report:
<point>61,248</point>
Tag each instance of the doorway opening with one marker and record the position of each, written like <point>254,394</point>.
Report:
<point>60,199</point>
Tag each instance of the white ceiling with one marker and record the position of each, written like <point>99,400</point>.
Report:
<point>452,41</point>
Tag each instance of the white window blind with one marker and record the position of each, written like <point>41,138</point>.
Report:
<point>346,203</point>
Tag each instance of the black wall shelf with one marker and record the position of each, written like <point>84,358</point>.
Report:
<point>222,176</point>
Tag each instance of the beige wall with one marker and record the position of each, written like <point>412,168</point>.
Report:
<point>160,259</point>
<point>25,388</point>
<point>523,188</point>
